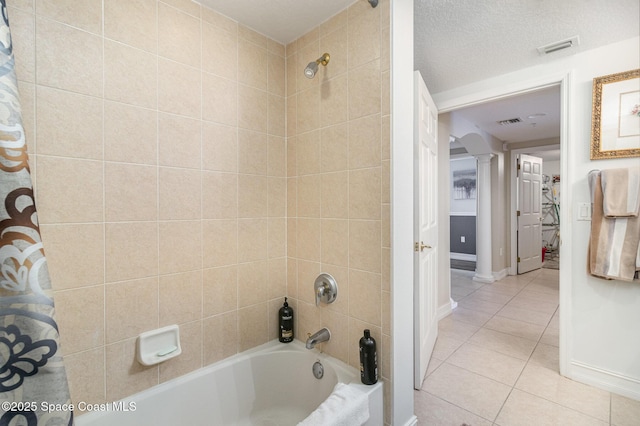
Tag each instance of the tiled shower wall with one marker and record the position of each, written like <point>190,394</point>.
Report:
<point>156,132</point>
<point>338,166</point>
<point>167,192</point>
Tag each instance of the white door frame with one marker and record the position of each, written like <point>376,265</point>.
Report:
<point>460,99</point>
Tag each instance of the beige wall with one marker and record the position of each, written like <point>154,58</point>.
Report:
<point>338,140</point>
<point>157,142</point>
<point>156,131</point>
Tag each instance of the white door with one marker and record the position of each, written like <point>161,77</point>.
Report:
<point>425,228</point>
<point>529,213</point>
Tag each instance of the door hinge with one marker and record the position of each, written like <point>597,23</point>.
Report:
<point>518,213</point>
<point>518,259</point>
<point>518,164</point>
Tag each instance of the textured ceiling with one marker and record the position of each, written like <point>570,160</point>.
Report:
<point>458,42</point>
<point>281,20</point>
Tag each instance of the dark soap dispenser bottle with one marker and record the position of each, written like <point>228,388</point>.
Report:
<point>368,359</point>
<point>285,318</point>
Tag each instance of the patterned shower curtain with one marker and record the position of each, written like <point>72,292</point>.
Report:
<point>33,382</point>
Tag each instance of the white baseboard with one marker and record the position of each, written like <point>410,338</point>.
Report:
<point>607,380</point>
<point>462,256</point>
<point>444,310</point>
<point>412,421</point>
<point>501,274</point>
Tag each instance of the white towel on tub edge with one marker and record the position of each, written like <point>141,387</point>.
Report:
<point>346,406</point>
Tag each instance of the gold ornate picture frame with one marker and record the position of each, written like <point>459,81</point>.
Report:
<point>615,120</point>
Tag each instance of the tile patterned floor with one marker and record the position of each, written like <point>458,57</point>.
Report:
<point>496,362</point>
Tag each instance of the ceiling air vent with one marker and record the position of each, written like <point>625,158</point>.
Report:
<point>509,121</point>
<point>559,45</point>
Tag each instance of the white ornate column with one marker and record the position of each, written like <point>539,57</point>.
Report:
<point>483,221</point>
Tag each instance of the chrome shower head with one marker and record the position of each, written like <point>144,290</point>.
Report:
<point>311,69</point>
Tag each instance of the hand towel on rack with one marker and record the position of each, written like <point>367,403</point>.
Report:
<point>621,192</point>
<point>614,242</point>
<point>346,406</point>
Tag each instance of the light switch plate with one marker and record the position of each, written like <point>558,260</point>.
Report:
<point>584,211</point>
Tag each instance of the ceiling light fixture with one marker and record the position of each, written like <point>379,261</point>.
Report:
<point>559,45</point>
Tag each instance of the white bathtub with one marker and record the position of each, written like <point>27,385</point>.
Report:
<point>271,385</point>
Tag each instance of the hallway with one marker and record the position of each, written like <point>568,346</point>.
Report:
<point>496,361</point>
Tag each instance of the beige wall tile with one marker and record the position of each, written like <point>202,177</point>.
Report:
<point>131,308</point>
<point>24,46</point>
<point>292,191</point>
<point>307,273</point>
<point>180,298</point>
<point>219,51</point>
<point>335,22</point>
<point>179,89</point>
<point>131,134</point>
<point>191,357</point>
<point>68,58</point>
<point>277,284</point>
<point>75,254</point>
<point>276,115</point>
<point>68,124</point>
<point>131,75</point>
<point>187,6</point>
<point>86,376</point>
<point>365,296</point>
<point>219,99</point>
<point>291,65</point>
<point>220,337</point>
<point>252,283</point>
<point>253,237</point>
<point>364,37</point>
<point>363,236</point>
<point>276,156</point>
<point>252,36</point>
<point>333,109</point>
<point>220,239</point>
<point>252,323</point>
<point>179,141</point>
<point>362,100</point>
<point>276,48</point>
<point>180,246</point>
<point>219,195</point>
<point>335,43</point>
<point>63,185</point>
<point>134,22</point>
<point>292,238</point>
<point>131,250</point>
<point>292,278</point>
<point>252,196</point>
<point>308,111</point>
<point>385,136</point>
<point>364,194</point>
<point>28,108</point>
<point>277,197</point>
<point>308,153</point>
<point>220,21</point>
<point>86,15</point>
<point>338,345</point>
<point>252,152</point>
<point>81,314</point>
<point>252,109</point>
<point>292,116</point>
<point>309,196</point>
<point>179,193</point>
<point>180,38</point>
<point>276,82</point>
<point>253,61</point>
<point>334,148</point>
<point>131,192</point>
<point>335,195</point>
<point>219,290</point>
<point>125,375</point>
<point>364,142</point>
<point>309,239</point>
<point>219,147</point>
<point>335,242</point>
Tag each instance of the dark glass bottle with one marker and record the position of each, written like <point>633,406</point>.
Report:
<point>368,359</point>
<point>285,318</point>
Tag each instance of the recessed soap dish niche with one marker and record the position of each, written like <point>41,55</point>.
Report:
<point>156,346</point>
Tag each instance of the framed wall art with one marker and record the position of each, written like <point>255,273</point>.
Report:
<point>615,120</point>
